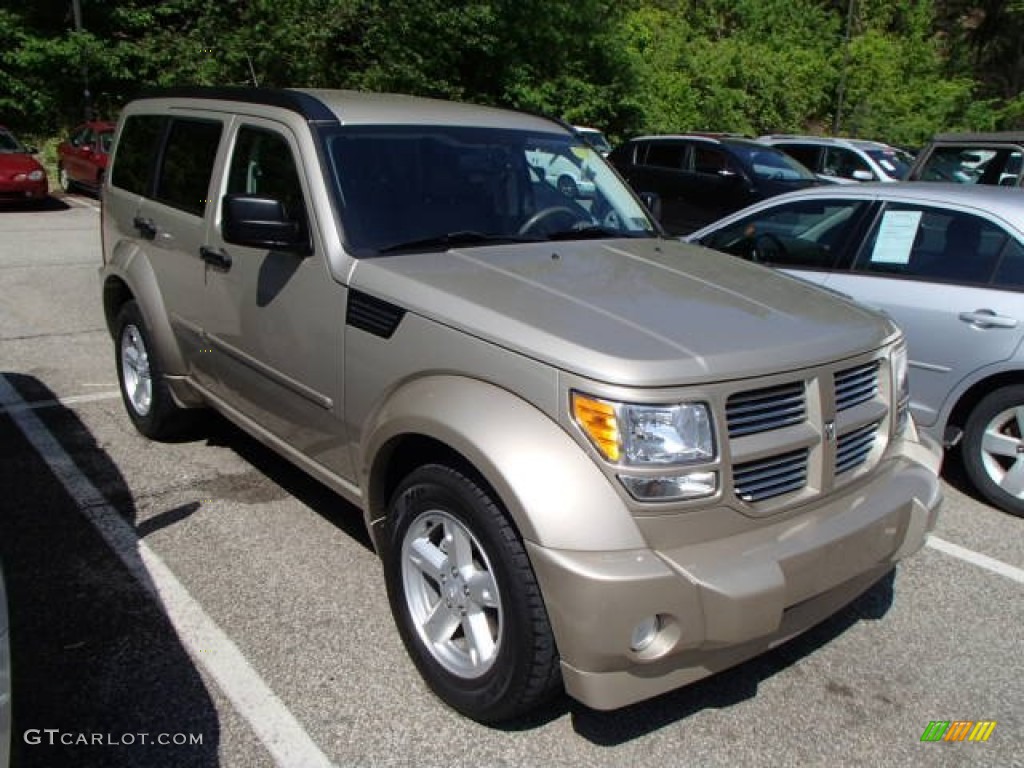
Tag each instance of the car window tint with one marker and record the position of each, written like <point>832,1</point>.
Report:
<point>803,154</point>
<point>932,244</point>
<point>666,155</point>
<point>843,162</point>
<point>1010,273</point>
<point>262,164</point>
<point>136,153</point>
<point>805,233</point>
<point>184,178</point>
<point>709,160</point>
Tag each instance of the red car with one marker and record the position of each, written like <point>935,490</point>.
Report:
<point>82,159</point>
<point>22,178</point>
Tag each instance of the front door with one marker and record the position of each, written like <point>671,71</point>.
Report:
<point>274,319</point>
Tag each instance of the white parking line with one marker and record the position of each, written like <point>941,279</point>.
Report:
<point>207,644</point>
<point>976,558</point>
<point>70,400</point>
<point>80,203</point>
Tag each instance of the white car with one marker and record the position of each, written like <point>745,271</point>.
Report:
<point>569,174</point>
<point>594,138</point>
<point>844,160</point>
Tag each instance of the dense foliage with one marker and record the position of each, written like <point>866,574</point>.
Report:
<point>896,70</point>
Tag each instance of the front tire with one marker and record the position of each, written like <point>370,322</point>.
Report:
<point>465,598</point>
<point>144,391</point>
<point>993,448</point>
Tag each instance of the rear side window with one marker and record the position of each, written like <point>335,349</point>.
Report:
<point>934,244</point>
<point>188,157</point>
<point>666,156</point>
<point>136,153</point>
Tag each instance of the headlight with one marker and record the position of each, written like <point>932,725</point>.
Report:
<point>643,435</point>
<point>35,176</point>
<point>901,384</point>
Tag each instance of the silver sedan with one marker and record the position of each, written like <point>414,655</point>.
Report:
<point>945,261</point>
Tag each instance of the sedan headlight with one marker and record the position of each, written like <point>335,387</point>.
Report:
<point>36,175</point>
<point>901,384</point>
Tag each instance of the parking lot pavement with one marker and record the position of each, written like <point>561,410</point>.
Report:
<point>207,592</point>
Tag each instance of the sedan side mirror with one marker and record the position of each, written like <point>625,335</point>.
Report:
<point>262,222</point>
<point>863,175</point>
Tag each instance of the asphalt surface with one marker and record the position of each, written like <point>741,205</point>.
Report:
<point>203,603</point>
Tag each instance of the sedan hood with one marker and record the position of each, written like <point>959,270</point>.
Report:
<point>13,163</point>
<point>631,312</point>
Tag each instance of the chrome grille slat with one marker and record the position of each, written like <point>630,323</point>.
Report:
<point>856,385</point>
<point>766,478</point>
<point>853,448</point>
<point>762,410</point>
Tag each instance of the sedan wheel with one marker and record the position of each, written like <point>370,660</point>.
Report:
<point>994,448</point>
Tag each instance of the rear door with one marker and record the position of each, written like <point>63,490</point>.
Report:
<point>159,192</point>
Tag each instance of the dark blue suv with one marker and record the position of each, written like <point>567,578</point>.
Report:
<point>701,178</point>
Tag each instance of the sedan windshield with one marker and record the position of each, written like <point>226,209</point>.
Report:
<point>405,188</point>
<point>9,144</point>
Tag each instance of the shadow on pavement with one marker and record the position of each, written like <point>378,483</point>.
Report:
<point>98,672</point>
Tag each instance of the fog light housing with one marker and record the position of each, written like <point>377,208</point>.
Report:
<point>692,485</point>
<point>644,634</point>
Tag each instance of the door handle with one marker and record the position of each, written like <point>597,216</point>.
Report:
<point>986,318</point>
<point>146,227</point>
<point>215,257</point>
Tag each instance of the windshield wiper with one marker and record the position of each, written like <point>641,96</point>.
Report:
<point>452,239</point>
<point>589,232</point>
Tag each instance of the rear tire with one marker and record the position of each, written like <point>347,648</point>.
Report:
<point>465,598</point>
<point>993,448</point>
<point>145,393</point>
<point>65,181</point>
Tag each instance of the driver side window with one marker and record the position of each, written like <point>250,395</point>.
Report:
<point>807,234</point>
<point>262,165</point>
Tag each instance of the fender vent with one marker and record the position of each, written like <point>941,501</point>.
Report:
<point>372,315</point>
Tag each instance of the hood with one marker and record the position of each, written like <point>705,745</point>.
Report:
<point>631,312</point>
<point>13,163</point>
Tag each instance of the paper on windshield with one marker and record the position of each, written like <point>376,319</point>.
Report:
<point>896,237</point>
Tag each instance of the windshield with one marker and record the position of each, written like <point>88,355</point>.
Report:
<point>434,187</point>
<point>895,162</point>
<point>9,144</point>
<point>769,163</point>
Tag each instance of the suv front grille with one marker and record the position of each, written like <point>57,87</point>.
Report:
<point>806,436</point>
<point>856,385</point>
<point>759,480</point>
<point>853,448</point>
<point>761,410</point>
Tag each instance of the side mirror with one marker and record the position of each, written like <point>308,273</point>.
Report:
<point>652,202</point>
<point>262,222</point>
<point>862,175</point>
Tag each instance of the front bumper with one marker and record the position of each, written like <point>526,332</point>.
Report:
<point>725,600</point>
